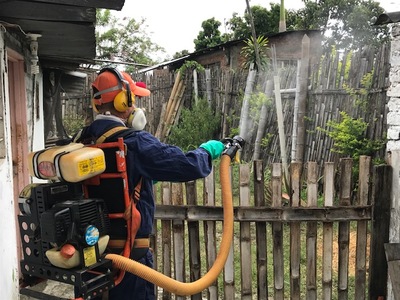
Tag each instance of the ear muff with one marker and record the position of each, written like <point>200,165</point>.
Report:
<point>123,100</point>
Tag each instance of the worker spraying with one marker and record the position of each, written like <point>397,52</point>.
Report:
<point>147,160</point>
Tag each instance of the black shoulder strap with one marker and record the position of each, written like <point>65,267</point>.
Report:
<point>110,136</point>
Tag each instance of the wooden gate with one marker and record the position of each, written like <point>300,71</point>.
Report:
<point>314,238</point>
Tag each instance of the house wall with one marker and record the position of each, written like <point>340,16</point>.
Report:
<point>393,145</point>
<point>8,238</point>
<point>9,233</point>
<point>393,119</point>
<point>287,47</point>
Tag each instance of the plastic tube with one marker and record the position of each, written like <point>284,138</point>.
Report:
<point>191,288</point>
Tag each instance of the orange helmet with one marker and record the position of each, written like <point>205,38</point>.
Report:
<point>110,83</point>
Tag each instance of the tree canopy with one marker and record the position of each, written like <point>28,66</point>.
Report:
<point>344,23</point>
<point>124,40</point>
<point>266,22</point>
<point>210,36</point>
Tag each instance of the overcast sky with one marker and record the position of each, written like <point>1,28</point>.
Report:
<point>174,24</point>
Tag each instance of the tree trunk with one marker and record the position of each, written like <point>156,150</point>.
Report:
<point>245,122</point>
<point>195,86</point>
<point>301,98</point>
<point>282,17</point>
<point>208,86</point>
<point>269,87</point>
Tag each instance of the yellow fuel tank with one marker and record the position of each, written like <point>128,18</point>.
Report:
<point>72,163</point>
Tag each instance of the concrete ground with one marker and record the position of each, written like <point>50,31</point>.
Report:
<point>56,289</point>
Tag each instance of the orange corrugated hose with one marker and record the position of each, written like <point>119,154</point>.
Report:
<point>191,288</point>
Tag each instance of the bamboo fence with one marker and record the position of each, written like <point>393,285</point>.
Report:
<point>335,85</point>
<point>321,245</point>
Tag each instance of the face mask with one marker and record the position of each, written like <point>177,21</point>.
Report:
<point>137,119</point>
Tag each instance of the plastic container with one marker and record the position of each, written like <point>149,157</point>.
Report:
<point>72,163</point>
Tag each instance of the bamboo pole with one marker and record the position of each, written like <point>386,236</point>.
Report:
<point>165,118</point>
<point>161,124</point>
<point>174,88</point>
<point>172,101</point>
<point>280,120</point>
<point>175,110</point>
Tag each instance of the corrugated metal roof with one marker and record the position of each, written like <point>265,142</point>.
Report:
<point>386,18</point>
<point>67,27</point>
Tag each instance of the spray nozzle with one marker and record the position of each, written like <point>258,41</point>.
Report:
<point>232,145</point>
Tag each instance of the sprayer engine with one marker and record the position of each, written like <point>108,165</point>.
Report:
<point>54,215</point>
<point>78,222</point>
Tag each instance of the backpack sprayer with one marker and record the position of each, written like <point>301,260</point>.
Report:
<point>56,217</point>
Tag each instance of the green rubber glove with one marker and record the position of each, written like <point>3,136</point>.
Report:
<point>213,147</point>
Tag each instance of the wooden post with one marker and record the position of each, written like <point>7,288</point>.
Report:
<point>381,189</point>
<point>154,240</point>
<point>277,233</point>
<point>178,234</point>
<point>166,237</point>
<point>329,194</point>
<point>261,231</point>
<point>194,238</point>
<point>229,273</point>
<point>311,242</point>
<point>245,234</point>
<point>210,232</point>
<point>346,165</point>
<point>362,228</point>
<point>295,231</point>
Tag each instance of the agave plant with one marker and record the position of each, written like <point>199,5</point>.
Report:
<point>248,52</point>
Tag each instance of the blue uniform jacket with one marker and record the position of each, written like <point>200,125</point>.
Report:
<point>151,160</point>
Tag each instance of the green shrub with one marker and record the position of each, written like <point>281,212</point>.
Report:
<point>73,125</point>
<point>196,126</point>
<point>349,140</point>
<point>349,137</point>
